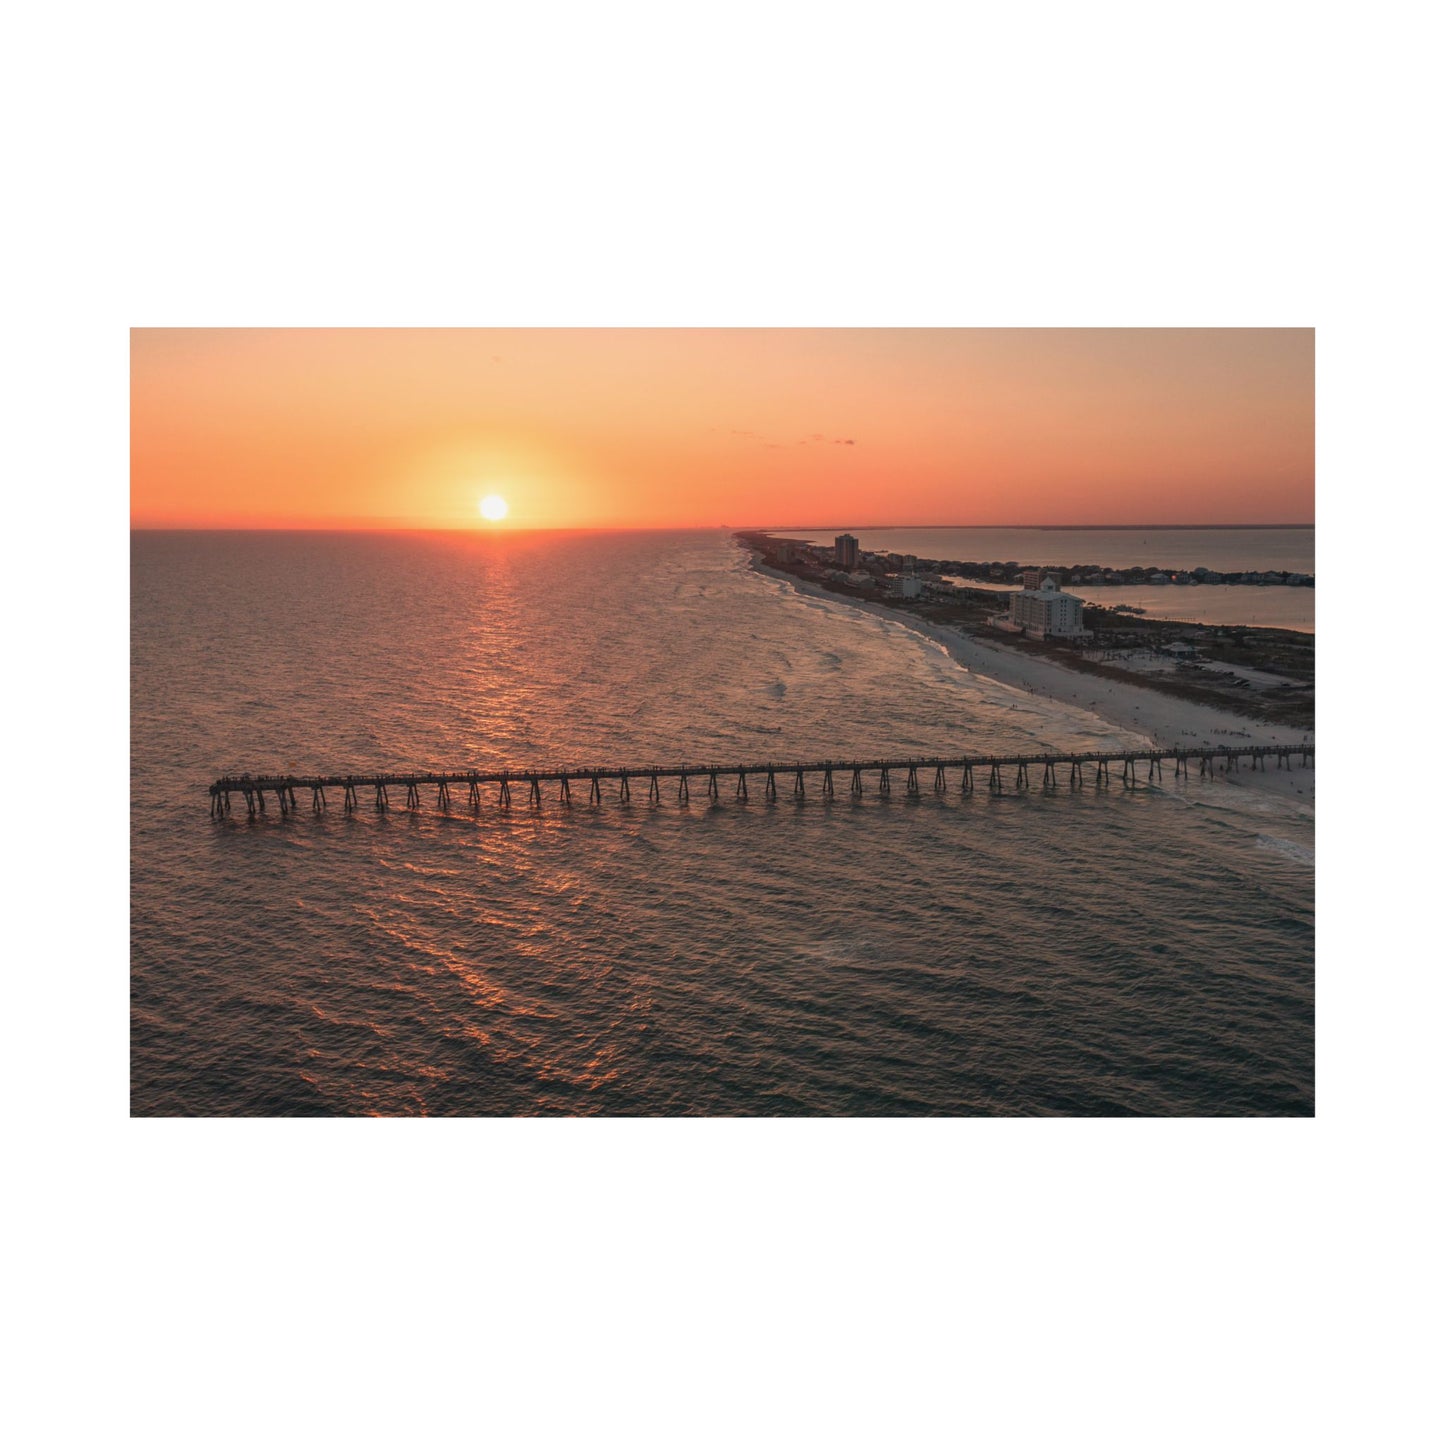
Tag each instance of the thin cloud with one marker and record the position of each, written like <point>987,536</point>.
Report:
<point>815,439</point>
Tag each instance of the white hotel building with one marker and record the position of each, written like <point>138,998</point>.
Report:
<point>1044,611</point>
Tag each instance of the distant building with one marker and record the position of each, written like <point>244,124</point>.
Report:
<point>908,586</point>
<point>1031,577</point>
<point>1046,612</point>
<point>845,551</point>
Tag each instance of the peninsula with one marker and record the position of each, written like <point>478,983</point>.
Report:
<point>1176,682</point>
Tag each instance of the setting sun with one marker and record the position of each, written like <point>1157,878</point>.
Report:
<point>383,429</point>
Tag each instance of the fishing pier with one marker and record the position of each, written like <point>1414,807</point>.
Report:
<point>530,786</point>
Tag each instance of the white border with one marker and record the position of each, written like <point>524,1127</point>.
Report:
<point>785,165</point>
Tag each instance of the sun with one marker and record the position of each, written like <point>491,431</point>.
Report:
<point>493,507</point>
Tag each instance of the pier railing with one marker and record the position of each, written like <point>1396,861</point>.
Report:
<point>914,775</point>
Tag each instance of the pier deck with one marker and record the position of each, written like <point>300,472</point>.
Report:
<point>850,776</point>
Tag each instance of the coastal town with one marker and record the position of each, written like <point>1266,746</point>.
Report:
<point>1262,673</point>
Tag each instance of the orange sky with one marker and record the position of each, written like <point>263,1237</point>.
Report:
<point>676,428</point>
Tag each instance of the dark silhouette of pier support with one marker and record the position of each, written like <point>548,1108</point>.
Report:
<point>1210,761</point>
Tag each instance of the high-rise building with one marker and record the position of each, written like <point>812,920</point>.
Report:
<point>1047,612</point>
<point>845,550</point>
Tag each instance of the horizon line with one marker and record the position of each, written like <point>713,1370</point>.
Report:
<point>483,530</point>
<point>1039,526</point>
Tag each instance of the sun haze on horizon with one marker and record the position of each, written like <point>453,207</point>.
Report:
<point>697,428</point>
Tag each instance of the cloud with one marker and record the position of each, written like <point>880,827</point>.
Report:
<point>815,438</point>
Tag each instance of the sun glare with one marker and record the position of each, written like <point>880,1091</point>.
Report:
<point>493,508</point>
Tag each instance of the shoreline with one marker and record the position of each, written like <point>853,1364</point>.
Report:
<point>1163,720</point>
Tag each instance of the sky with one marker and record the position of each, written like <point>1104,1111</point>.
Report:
<point>726,427</point>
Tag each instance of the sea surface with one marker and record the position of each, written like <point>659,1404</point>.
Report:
<point>1148,951</point>
<point>1224,549</point>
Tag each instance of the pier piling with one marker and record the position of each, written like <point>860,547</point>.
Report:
<point>254,789</point>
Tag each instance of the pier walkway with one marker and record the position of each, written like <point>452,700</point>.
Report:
<point>526,785</point>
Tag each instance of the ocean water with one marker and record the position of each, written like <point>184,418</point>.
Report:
<point>1145,951</point>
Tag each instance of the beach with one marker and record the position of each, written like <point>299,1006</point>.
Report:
<point>1155,718</point>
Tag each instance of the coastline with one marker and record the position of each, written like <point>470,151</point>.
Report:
<point>1164,721</point>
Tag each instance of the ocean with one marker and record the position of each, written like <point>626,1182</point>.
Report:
<point>1146,951</point>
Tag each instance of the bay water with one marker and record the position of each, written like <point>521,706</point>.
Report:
<point>1169,549</point>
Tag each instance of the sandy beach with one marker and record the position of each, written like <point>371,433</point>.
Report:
<point>1162,720</point>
